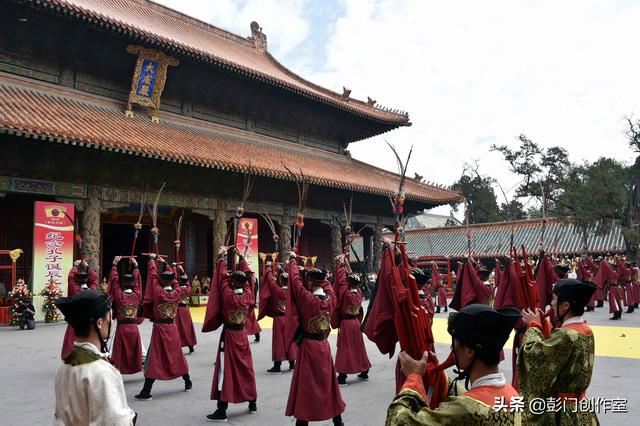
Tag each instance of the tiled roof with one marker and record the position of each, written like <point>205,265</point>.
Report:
<point>493,239</point>
<point>64,115</point>
<point>430,220</point>
<point>174,31</point>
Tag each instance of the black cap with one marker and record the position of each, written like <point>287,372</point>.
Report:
<point>184,278</point>
<point>84,307</point>
<point>354,279</point>
<point>284,277</point>
<point>82,276</point>
<point>562,267</point>
<point>575,291</point>
<point>316,274</point>
<point>239,277</point>
<point>482,328</point>
<point>484,272</point>
<point>167,276</point>
<point>127,278</point>
<point>420,276</point>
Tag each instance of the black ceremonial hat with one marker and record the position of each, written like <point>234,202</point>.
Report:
<point>84,307</point>
<point>571,290</point>
<point>316,274</point>
<point>420,276</point>
<point>167,276</point>
<point>354,279</point>
<point>127,278</point>
<point>483,328</point>
<point>239,277</point>
<point>284,277</point>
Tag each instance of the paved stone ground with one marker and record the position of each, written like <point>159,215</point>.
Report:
<point>29,360</point>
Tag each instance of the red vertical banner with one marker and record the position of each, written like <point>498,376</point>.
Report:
<point>247,242</point>
<point>53,241</point>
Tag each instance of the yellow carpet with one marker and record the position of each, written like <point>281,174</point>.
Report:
<point>621,342</point>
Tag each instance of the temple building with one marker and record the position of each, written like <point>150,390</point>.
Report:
<point>104,100</point>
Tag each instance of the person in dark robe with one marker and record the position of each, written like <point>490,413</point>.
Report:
<point>314,394</point>
<point>81,277</point>
<point>559,367</point>
<point>273,303</point>
<point>351,355</point>
<point>126,295</point>
<point>230,300</point>
<point>165,360</point>
<point>184,323</point>
<point>478,333</point>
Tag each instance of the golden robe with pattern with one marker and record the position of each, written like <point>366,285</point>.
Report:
<point>557,367</point>
<point>475,407</point>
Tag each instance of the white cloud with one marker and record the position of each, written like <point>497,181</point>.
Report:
<point>475,73</point>
<point>470,73</point>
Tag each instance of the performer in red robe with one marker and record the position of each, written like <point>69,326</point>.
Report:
<point>230,301</point>
<point>628,296</point>
<point>251,326</point>
<point>183,317</point>
<point>614,278</point>
<point>126,352</point>
<point>315,393</point>
<point>351,355</point>
<point>273,303</point>
<point>438,283</point>
<point>81,277</point>
<point>165,360</point>
<point>424,291</point>
<point>634,284</point>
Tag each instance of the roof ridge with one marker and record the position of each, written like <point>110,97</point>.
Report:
<point>226,34</point>
<point>505,223</point>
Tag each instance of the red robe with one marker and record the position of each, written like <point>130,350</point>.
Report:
<point>609,276</point>
<point>273,303</point>
<point>427,300</point>
<point>126,353</point>
<point>436,278</point>
<point>634,285</point>
<point>165,360</point>
<point>234,380</point>
<point>545,279</point>
<point>351,355</point>
<point>470,289</point>
<point>183,318</point>
<point>600,280</point>
<point>251,326</point>
<point>73,288</point>
<point>314,394</point>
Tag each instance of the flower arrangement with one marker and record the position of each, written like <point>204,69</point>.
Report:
<point>19,293</point>
<point>50,293</point>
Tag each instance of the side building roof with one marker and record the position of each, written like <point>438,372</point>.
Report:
<point>489,240</point>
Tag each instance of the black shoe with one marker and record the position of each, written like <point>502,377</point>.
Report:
<point>253,407</point>
<point>437,309</point>
<point>191,350</point>
<point>629,310</point>
<point>342,379</point>
<point>257,338</point>
<point>364,375</point>
<point>188,385</point>
<point>292,365</point>
<point>600,304</point>
<point>275,370</point>
<point>445,309</point>
<point>143,396</point>
<point>218,416</point>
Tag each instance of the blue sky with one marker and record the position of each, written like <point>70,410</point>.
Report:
<point>470,73</point>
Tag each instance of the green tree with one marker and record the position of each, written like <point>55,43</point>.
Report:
<point>480,197</point>
<point>594,196</point>
<point>631,221</point>
<point>542,170</point>
<point>514,210</point>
